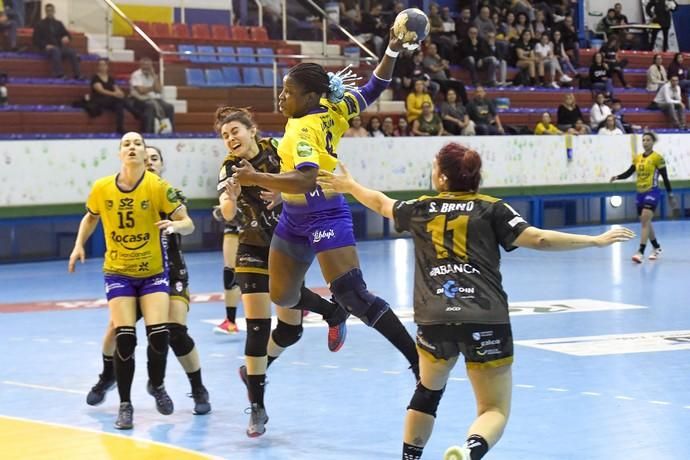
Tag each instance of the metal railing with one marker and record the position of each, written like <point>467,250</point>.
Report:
<point>372,59</point>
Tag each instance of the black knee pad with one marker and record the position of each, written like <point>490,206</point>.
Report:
<point>425,400</point>
<point>159,338</point>
<point>229,280</point>
<point>125,342</point>
<point>180,341</point>
<point>286,334</point>
<point>350,291</point>
<point>258,332</point>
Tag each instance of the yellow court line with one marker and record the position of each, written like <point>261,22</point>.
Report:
<point>26,439</point>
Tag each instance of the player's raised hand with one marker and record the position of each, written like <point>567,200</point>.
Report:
<point>244,172</point>
<point>394,43</point>
<point>615,235</point>
<point>271,197</point>
<point>77,254</point>
<point>339,183</point>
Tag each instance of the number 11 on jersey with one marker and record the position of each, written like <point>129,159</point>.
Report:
<point>453,231</point>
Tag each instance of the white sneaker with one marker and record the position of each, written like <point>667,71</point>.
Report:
<point>656,253</point>
<point>457,453</point>
<point>566,79</point>
<point>637,258</point>
<point>554,85</point>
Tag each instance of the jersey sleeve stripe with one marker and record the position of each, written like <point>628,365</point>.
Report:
<point>93,213</point>
<point>307,164</point>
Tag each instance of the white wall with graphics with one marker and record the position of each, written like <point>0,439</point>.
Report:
<point>41,172</point>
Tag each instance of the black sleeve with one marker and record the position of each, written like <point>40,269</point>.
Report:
<point>561,117</point>
<point>628,172</point>
<point>223,174</point>
<point>38,38</point>
<point>667,183</point>
<point>507,224</point>
<point>403,212</point>
<point>63,32</point>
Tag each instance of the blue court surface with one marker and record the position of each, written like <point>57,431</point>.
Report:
<point>602,367</point>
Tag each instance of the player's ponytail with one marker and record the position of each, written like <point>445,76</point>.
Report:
<point>461,166</point>
<point>314,79</point>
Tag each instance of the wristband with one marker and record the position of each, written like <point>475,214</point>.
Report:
<point>391,53</point>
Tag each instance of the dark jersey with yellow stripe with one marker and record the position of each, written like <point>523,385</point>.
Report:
<point>457,256</point>
<point>177,268</point>
<point>258,222</point>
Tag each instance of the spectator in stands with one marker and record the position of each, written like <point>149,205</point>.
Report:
<point>476,56</point>
<point>599,75</point>
<point>3,89</point>
<point>454,116</point>
<point>620,17</point>
<point>607,22</point>
<point>448,25</point>
<point>568,113</point>
<point>615,65</point>
<point>482,112</point>
<point>403,128</point>
<point>544,53</point>
<point>677,68</point>
<point>617,112</point>
<point>409,68</point>
<point>598,112</point>
<point>428,123</point>
<point>545,126</point>
<point>463,24</point>
<point>508,30</point>
<point>350,16</point>
<point>9,27</point>
<point>610,127</point>
<point>527,60</point>
<point>499,55</point>
<point>580,128</point>
<point>660,14</point>
<point>374,127</point>
<point>387,127</point>
<point>437,31</point>
<point>670,101</point>
<point>522,24</point>
<point>51,37</point>
<point>15,10</point>
<point>523,7</point>
<point>273,20</point>
<point>539,25</point>
<point>437,68</point>
<point>146,99</point>
<point>563,58</point>
<point>484,23</point>
<point>656,74</point>
<point>570,40</point>
<point>356,129</point>
<point>106,94</point>
<point>416,99</point>
<point>374,28</point>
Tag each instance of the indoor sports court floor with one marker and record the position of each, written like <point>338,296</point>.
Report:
<point>602,367</point>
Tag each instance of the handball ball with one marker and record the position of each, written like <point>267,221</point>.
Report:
<point>411,26</point>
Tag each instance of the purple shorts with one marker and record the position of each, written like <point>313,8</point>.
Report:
<point>648,200</point>
<point>322,230</point>
<point>125,286</point>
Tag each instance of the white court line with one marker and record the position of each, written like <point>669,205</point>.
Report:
<point>90,342</point>
<point>66,341</point>
<point>625,398</point>
<point>115,435</point>
<point>590,393</point>
<point>359,369</point>
<point>559,390</point>
<point>392,372</point>
<point>686,407</point>
<point>43,387</point>
<point>299,363</point>
<point>458,379</point>
<point>519,385</point>
<point>661,403</point>
<point>329,366</point>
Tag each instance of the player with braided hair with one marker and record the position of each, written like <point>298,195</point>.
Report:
<point>315,224</point>
<point>261,210</point>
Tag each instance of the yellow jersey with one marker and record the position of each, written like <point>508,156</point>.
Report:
<point>133,242</point>
<point>647,170</point>
<point>312,140</point>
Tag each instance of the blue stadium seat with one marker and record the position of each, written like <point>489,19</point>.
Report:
<point>231,76</point>
<point>195,77</point>
<point>244,52</point>
<point>263,52</point>
<point>267,74</point>
<point>187,49</point>
<point>214,77</point>
<point>206,49</point>
<point>227,50</point>
<point>252,76</point>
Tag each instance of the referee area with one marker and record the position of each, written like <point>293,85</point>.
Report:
<point>600,369</point>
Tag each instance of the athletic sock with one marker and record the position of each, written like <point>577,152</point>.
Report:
<point>256,385</point>
<point>390,327</point>
<point>270,359</point>
<point>108,369</point>
<point>655,244</point>
<point>231,313</point>
<point>310,300</point>
<point>477,445</point>
<point>411,452</point>
<point>195,379</point>
<point>124,374</point>
<point>642,248</point>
